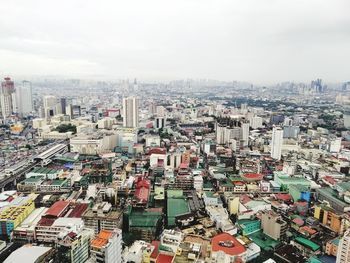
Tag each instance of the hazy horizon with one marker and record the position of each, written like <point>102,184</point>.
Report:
<point>260,42</point>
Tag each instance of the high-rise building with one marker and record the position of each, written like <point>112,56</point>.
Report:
<point>131,112</point>
<point>256,122</point>
<point>160,111</point>
<point>50,103</point>
<point>273,225</point>
<point>107,246</point>
<point>24,97</point>
<point>74,247</point>
<point>245,133</point>
<point>7,97</point>
<point>63,102</point>
<point>160,122</point>
<point>276,143</point>
<point>343,253</point>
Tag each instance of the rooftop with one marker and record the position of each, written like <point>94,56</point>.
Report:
<point>101,239</point>
<point>308,243</point>
<point>28,254</point>
<point>57,209</point>
<point>228,244</point>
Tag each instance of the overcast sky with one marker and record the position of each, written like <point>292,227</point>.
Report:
<point>261,41</point>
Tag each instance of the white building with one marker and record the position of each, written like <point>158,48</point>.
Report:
<point>50,103</point>
<point>92,145</point>
<point>39,123</point>
<point>160,111</point>
<point>152,140</point>
<point>335,145</point>
<point>171,239</point>
<point>198,182</point>
<point>140,251</point>
<point>343,253</point>
<point>131,112</point>
<point>7,97</point>
<point>24,97</point>
<point>276,143</point>
<point>107,246</point>
<point>256,122</point>
<point>245,133</point>
<point>106,123</point>
<point>221,218</point>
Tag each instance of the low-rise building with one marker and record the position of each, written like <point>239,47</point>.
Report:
<point>102,217</point>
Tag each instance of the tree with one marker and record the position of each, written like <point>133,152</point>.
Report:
<point>66,128</point>
<point>28,146</point>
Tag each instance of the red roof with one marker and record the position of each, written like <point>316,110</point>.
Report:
<point>162,258</point>
<point>149,125</point>
<point>155,251</point>
<point>235,250</point>
<point>253,176</point>
<point>183,166</point>
<point>298,221</point>
<point>157,151</point>
<point>57,209</point>
<point>142,190</point>
<point>46,221</point>
<point>329,179</point>
<point>284,197</point>
<point>245,199</point>
<point>78,210</point>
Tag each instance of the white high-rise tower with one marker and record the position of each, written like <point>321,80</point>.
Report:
<point>131,112</point>
<point>24,97</point>
<point>276,144</point>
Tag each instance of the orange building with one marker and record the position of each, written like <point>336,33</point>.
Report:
<point>329,218</point>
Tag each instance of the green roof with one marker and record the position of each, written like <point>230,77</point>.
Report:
<point>307,243</point>
<point>58,182</point>
<point>314,260</point>
<point>210,194</point>
<point>299,187</point>
<point>335,241</point>
<point>44,170</point>
<point>33,179</point>
<point>177,206</point>
<point>208,185</point>
<point>344,185</point>
<point>174,193</point>
<point>226,183</point>
<point>144,218</point>
<point>263,241</point>
<point>246,222</point>
<point>235,178</point>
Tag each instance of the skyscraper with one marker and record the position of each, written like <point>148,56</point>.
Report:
<point>131,112</point>
<point>276,143</point>
<point>245,132</point>
<point>7,97</point>
<point>24,97</point>
<point>63,102</point>
<point>343,253</point>
<point>50,103</point>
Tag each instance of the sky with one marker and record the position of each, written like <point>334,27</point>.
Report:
<point>261,41</point>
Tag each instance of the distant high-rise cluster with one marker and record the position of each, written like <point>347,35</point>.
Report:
<point>15,100</point>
